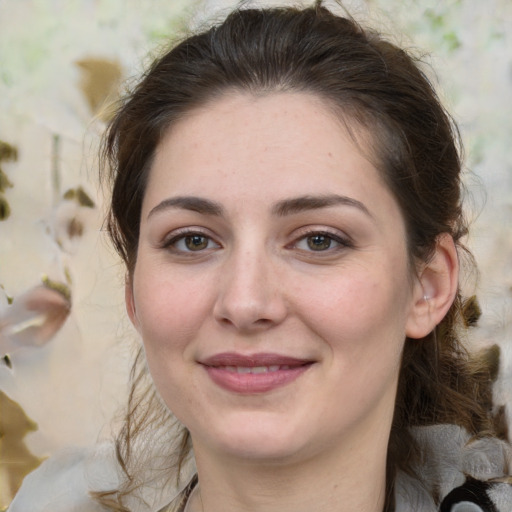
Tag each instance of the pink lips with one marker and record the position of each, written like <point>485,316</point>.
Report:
<point>258,373</point>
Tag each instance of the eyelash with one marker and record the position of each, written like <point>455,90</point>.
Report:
<point>186,233</point>
<point>342,242</point>
<point>182,235</point>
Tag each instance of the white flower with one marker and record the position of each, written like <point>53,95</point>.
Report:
<point>33,318</point>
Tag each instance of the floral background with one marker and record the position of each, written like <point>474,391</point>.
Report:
<point>65,343</point>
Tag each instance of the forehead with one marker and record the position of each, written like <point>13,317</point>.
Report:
<point>278,144</point>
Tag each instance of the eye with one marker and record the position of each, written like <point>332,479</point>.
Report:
<point>320,241</point>
<point>195,242</point>
<point>189,241</point>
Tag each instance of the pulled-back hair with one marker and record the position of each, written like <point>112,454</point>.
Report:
<point>378,90</point>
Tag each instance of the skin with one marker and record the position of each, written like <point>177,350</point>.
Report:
<point>269,272</point>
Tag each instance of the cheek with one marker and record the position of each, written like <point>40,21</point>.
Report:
<point>170,312</point>
<point>355,306</point>
<point>359,323</point>
<point>170,309</point>
<point>361,318</point>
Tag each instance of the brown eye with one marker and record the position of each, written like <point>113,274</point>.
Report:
<point>322,242</point>
<point>196,242</point>
<point>319,242</point>
<point>188,242</point>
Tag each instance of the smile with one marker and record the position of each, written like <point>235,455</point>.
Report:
<point>255,369</point>
<point>260,373</point>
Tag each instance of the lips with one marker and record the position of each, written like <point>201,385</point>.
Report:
<point>258,373</point>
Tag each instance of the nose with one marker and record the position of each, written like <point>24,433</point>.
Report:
<point>250,294</point>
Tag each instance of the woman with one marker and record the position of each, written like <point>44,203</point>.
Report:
<point>286,199</point>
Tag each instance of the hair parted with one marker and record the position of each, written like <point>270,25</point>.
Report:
<point>389,106</point>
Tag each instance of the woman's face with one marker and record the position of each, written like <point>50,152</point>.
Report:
<point>272,289</point>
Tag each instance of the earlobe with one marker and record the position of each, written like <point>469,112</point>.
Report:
<point>130,302</point>
<point>435,289</point>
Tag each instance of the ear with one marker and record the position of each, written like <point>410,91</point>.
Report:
<point>130,302</point>
<point>435,289</point>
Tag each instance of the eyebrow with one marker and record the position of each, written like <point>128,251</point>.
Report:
<point>192,203</point>
<point>280,209</point>
<point>304,203</point>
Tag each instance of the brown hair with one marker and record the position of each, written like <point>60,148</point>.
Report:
<point>372,84</point>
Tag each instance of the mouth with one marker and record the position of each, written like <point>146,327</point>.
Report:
<point>255,369</point>
<point>254,374</point>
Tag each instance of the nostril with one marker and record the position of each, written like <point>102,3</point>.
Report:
<point>255,324</point>
<point>263,322</point>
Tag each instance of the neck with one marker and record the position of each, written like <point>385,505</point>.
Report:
<point>339,481</point>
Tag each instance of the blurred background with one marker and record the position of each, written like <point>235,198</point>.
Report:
<point>65,342</point>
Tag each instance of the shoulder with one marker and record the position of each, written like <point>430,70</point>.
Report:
<point>66,482</point>
<point>479,496</point>
<point>457,473</point>
<point>63,482</point>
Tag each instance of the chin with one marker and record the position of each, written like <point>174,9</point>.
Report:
<point>259,449</point>
<point>258,439</point>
